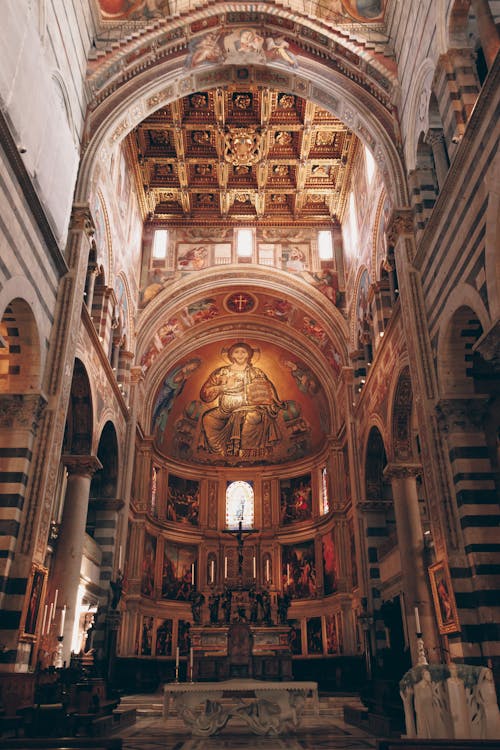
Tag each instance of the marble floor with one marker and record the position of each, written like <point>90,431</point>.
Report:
<point>323,732</point>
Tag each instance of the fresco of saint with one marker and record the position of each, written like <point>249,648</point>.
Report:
<point>244,422</point>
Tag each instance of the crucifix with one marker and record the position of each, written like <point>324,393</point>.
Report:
<point>240,538</point>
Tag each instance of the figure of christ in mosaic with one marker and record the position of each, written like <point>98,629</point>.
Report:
<point>244,422</point>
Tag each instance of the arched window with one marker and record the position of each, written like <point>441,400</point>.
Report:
<point>239,505</point>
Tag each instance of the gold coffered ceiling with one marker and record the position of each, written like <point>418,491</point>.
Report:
<point>242,155</point>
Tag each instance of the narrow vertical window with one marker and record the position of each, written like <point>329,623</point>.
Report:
<point>160,242</point>
<point>325,500</point>
<point>370,165</point>
<point>325,244</point>
<point>154,488</point>
<point>244,243</point>
<point>239,505</point>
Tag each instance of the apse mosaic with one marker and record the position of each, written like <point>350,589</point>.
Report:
<point>237,404</point>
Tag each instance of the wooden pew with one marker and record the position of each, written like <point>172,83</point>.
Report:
<point>418,743</point>
<point>61,743</point>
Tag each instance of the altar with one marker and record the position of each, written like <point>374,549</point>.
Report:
<point>265,707</point>
<point>241,650</point>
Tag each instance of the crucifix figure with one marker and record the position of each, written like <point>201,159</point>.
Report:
<point>240,538</point>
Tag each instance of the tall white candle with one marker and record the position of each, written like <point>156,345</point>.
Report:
<point>225,566</point>
<point>42,631</point>
<point>417,620</point>
<point>55,604</point>
<point>50,616</point>
<point>177,657</point>
<point>120,557</point>
<point>254,567</point>
<point>212,571</point>
<point>192,574</point>
<point>268,577</point>
<point>191,658</point>
<point>288,573</point>
<point>63,618</point>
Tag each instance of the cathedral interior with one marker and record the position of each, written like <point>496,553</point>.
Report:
<point>249,340</point>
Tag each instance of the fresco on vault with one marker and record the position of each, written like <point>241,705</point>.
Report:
<point>238,404</point>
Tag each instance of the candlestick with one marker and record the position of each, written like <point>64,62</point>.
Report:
<point>417,621</point>
<point>42,630</point>
<point>63,618</point>
<point>55,605</point>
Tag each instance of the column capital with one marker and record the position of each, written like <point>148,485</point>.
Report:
<point>462,414</point>
<point>84,466</point>
<point>434,136</point>
<point>136,375</point>
<point>398,470</point>
<point>402,222</point>
<point>81,219</point>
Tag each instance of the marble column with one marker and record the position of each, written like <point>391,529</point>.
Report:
<point>411,550</point>
<point>435,138</point>
<point>68,561</point>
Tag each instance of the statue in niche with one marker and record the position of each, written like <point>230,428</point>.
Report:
<point>244,422</point>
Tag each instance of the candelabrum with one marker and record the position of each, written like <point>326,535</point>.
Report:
<point>59,653</point>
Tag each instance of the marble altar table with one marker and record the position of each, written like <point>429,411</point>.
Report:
<point>266,707</point>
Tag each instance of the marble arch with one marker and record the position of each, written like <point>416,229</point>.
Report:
<point>124,107</point>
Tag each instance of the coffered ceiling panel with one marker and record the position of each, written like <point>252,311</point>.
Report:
<point>243,154</point>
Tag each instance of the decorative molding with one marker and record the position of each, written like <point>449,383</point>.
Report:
<point>398,470</point>
<point>22,411</point>
<point>462,414</point>
<point>84,466</point>
<point>401,223</point>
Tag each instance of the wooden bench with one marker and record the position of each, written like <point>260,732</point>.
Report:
<point>418,743</point>
<point>61,743</point>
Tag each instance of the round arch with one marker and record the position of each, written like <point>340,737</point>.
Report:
<point>463,306</point>
<point>125,108</point>
<point>20,356</point>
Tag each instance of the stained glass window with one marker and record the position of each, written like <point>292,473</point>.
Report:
<point>239,505</point>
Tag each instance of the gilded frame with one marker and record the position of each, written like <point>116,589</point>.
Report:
<point>33,602</point>
<point>444,598</point>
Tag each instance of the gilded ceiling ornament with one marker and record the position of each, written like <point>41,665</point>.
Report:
<point>243,146</point>
<point>242,101</point>
<point>283,137</point>
<point>281,169</point>
<point>286,101</point>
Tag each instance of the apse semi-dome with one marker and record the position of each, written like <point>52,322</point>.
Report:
<point>240,402</point>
